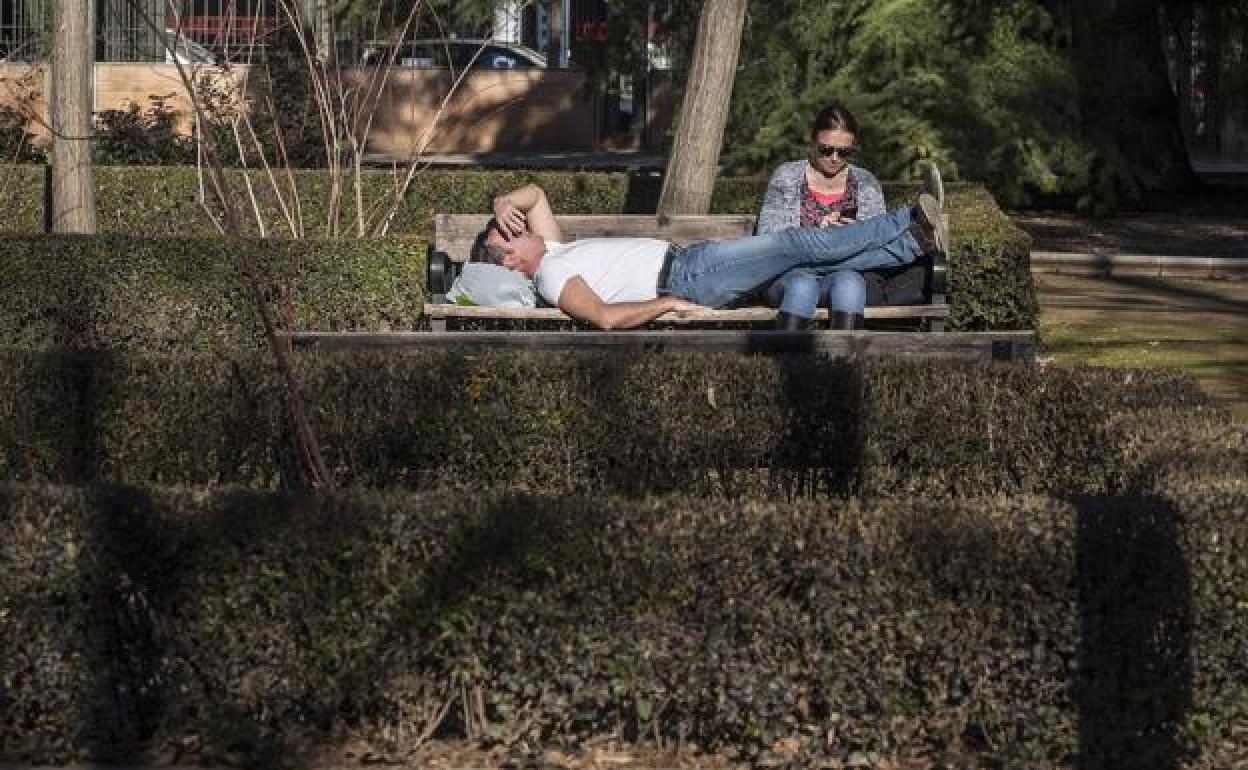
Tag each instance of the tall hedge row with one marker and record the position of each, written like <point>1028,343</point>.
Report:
<point>718,425</point>
<point>990,282</point>
<point>239,627</point>
<point>157,294</point>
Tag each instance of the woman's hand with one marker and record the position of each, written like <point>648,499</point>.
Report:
<point>836,219</point>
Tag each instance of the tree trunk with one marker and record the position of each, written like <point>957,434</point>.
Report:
<point>554,33</point>
<point>1128,109</point>
<point>69,112</point>
<point>690,176</point>
<point>324,32</point>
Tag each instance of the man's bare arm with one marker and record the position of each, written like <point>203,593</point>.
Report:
<point>580,302</point>
<point>526,208</point>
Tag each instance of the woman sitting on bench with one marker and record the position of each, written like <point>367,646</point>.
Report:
<point>824,191</point>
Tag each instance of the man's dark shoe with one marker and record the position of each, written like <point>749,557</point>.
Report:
<point>787,322</point>
<point>933,185</point>
<point>928,226</point>
<point>842,321</point>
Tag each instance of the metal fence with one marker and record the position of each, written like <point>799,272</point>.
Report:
<point>144,30</point>
<point>124,30</point>
<point>228,28</point>
<point>21,30</point>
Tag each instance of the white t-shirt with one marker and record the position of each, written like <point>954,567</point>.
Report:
<point>617,269</point>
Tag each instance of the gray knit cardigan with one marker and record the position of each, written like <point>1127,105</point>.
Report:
<point>783,203</point>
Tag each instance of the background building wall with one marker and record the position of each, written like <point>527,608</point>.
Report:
<point>492,110</point>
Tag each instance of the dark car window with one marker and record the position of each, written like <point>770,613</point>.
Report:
<point>461,55</point>
<point>422,55</point>
<point>491,57</point>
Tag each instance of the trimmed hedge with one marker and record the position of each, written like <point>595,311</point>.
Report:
<point>254,629</point>
<point>23,204</point>
<point>991,284</point>
<point>136,200</point>
<point>167,294</point>
<point>719,425</point>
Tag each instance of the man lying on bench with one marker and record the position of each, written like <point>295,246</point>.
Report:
<point>619,283</point>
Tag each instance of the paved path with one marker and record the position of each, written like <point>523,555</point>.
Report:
<point>1221,234</point>
<point>1141,299</point>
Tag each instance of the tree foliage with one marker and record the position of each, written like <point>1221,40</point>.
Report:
<point>1030,96</point>
<point>979,88</point>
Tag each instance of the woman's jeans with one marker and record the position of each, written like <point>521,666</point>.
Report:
<point>721,273</point>
<point>799,292</point>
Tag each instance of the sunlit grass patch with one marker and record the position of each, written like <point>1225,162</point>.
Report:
<point>1216,354</point>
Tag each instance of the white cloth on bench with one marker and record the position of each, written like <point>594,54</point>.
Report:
<point>489,285</point>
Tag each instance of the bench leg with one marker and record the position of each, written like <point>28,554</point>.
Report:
<point>938,298</point>
<point>437,324</point>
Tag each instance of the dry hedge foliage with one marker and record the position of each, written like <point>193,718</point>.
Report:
<point>788,561</point>
<point>717,425</point>
<point>252,627</point>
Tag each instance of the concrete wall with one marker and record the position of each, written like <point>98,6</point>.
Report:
<point>491,110</point>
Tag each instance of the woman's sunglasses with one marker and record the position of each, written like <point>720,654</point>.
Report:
<point>828,150</point>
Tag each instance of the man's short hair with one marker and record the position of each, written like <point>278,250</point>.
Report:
<point>484,251</point>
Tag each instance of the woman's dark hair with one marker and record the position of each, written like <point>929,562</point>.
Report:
<point>834,117</point>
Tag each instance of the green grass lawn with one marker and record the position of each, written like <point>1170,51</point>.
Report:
<point>1216,354</point>
<point>1199,325</point>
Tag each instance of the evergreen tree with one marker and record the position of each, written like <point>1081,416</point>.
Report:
<point>978,88</point>
<point>1129,116</point>
<point>1029,96</point>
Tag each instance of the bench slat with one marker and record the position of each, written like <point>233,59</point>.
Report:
<point>981,346</point>
<point>746,314</point>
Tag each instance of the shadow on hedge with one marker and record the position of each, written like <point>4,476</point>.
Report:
<point>1133,689</point>
<point>816,446</point>
<point>1123,645</point>
<point>143,563</point>
<point>140,569</point>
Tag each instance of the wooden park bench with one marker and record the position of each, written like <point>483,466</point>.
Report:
<point>453,238</point>
<point>454,235</point>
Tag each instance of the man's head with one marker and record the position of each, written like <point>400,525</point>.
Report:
<point>521,252</point>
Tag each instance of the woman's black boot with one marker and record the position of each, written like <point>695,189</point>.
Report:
<point>787,322</point>
<point>842,321</point>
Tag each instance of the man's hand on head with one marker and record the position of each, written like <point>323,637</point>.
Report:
<point>526,210</point>
<point>511,220</point>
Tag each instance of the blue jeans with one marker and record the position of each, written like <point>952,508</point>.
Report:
<point>721,273</point>
<point>800,291</point>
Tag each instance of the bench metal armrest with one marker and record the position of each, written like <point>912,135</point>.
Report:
<point>441,275</point>
<point>939,278</point>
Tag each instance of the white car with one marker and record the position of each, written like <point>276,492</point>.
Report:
<point>181,49</point>
<point>454,52</point>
